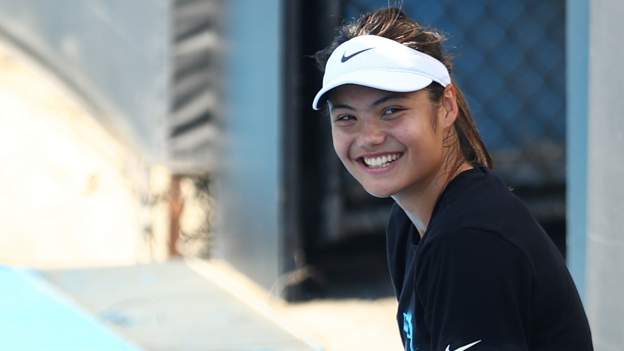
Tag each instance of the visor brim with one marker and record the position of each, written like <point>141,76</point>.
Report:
<point>395,81</point>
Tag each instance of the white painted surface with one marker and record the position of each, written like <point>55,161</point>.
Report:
<point>70,192</point>
<point>605,203</point>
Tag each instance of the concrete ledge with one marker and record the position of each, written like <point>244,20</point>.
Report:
<point>168,306</point>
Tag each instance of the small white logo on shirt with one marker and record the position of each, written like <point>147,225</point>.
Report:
<point>465,347</point>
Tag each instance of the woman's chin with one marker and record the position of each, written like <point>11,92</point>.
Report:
<point>379,192</point>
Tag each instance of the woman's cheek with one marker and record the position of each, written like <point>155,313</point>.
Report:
<point>340,146</point>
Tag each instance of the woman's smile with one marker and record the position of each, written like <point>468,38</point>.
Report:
<point>379,163</point>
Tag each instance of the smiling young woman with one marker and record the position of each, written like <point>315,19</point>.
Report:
<point>470,266</point>
<point>379,136</point>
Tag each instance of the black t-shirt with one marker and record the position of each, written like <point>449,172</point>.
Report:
<point>485,275</point>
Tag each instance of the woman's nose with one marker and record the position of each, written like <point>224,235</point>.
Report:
<point>372,134</point>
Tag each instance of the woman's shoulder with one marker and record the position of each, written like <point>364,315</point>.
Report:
<point>476,239</point>
<point>486,204</point>
<point>479,249</point>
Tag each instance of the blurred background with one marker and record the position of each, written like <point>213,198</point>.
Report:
<point>166,184</point>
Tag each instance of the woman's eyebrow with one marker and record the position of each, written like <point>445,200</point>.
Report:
<point>385,98</point>
<point>381,100</point>
<point>337,106</point>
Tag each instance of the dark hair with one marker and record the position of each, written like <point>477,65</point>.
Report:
<point>392,23</point>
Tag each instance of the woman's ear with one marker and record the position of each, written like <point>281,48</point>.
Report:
<point>448,110</point>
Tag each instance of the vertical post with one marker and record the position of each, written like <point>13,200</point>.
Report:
<point>577,52</point>
<point>605,172</point>
<point>176,206</point>
<point>250,184</point>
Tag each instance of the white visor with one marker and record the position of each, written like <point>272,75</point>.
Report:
<point>380,63</point>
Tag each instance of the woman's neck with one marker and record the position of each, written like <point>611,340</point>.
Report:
<point>418,202</point>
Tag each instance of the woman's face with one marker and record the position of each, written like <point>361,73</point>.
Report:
<point>390,142</point>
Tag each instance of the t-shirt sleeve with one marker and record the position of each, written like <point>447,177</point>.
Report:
<point>475,289</point>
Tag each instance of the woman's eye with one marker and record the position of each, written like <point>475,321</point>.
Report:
<point>390,110</point>
<point>344,118</point>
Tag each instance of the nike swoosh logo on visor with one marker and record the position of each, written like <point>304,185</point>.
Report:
<point>462,348</point>
<point>346,58</point>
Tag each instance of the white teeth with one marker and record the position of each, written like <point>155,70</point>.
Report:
<point>380,161</point>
